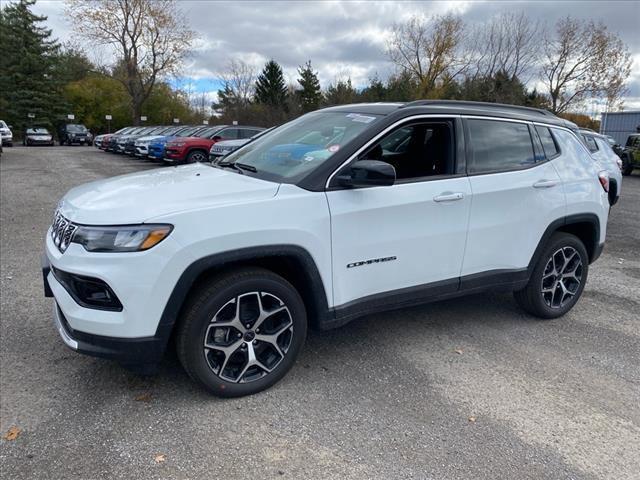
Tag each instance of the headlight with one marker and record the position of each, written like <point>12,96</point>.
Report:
<point>134,238</point>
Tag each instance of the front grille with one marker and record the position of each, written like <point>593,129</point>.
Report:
<point>62,231</point>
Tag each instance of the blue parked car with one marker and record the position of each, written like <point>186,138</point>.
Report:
<point>157,146</point>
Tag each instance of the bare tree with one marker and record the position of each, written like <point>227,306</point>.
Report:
<point>239,79</point>
<point>508,43</point>
<point>429,49</point>
<point>148,37</point>
<point>581,61</point>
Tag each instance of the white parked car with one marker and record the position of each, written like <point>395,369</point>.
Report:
<point>225,147</point>
<point>340,213</point>
<point>6,135</point>
<point>601,151</point>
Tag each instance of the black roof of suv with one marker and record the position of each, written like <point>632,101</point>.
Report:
<point>459,108</point>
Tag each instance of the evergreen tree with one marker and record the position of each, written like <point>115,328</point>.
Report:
<point>309,94</point>
<point>271,88</point>
<point>27,68</point>
<point>341,93</point>
<point>375,91</point>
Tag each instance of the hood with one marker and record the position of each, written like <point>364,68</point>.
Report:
<point>148,138</point>
<point>163,140</point>
<point>46,135</point>
<point>141,196</point>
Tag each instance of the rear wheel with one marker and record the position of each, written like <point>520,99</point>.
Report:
<point>558,279</point>
<point>241,332</point>
<point>197,156</point>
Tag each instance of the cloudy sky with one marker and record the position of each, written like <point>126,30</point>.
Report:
<point>345,38</point>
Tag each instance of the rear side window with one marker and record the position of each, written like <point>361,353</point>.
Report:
<point>549,144</point>
<point>498,146</point>
<point>591,143</point>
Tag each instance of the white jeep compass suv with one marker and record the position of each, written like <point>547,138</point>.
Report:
<point>340,213</point>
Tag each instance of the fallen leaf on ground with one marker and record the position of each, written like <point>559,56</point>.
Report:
<point>12,433</point>
<point>145,397</point>
<point>458,351</point>
<point>160,458</point>
<point>472,419</point>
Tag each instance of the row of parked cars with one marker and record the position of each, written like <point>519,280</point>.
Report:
<point>178,143</point>
<point>68,134</point>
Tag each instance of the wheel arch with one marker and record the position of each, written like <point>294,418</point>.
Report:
<point>585,226</point>
<point>292,262</point>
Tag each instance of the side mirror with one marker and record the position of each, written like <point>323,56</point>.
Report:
<point>217,138</point>
<point>368,173</point>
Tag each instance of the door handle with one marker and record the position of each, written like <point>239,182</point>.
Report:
<point>448,197</point>
<point>545,183</point>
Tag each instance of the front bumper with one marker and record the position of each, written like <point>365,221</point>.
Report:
<point>139,353</point>
<point>173,156</point>
<point>142,151</point>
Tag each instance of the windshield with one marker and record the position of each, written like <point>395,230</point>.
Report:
<point>76,128</point>
<point>294,149</point>
<point>207,132</point>
<point>2,124</point>
<point>37,131</point>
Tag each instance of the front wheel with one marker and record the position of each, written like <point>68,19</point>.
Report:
<point>558,278</point>
<point>197,156</point>
<point>241,332</point>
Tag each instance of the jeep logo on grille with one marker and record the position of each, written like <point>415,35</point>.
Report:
<point>62,231</point>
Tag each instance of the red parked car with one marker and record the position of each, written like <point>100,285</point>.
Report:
<point>196,149</point>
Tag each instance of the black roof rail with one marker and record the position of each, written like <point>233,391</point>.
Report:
<point>467,103</point>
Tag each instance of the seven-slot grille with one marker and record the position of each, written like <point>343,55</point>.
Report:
<point>62,231</point>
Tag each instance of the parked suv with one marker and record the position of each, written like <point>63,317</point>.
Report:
<point>74,133</point>
<point>6,135</point>
<point>196,148</point>
<point>607,159</point>
<point>340,213</point>
<point>631,154</point>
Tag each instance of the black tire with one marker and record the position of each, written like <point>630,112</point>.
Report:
<point>551,303</point>
<point>213,303</point>
<point>197,156</point>
<point>627,166</point>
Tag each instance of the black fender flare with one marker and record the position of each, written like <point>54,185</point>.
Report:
<point>216,261</point>
<point>595,248</point>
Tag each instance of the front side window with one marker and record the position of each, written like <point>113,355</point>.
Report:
<point>417,150</point>
<point>291,151</point>
<point>227,134</point>
<point>499,146</point>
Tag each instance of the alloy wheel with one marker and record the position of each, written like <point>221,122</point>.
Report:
<point>562,277</point>
<point>198,157</point>
<point>248,337</point>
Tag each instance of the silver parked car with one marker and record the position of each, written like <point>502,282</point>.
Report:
<point>601,151</point>
<point>5,134</point>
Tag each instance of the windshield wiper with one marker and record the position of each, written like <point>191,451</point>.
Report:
<point>231,165</point>
<point>244,166</point>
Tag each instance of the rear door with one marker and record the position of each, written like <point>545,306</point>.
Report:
<point>517,194</point>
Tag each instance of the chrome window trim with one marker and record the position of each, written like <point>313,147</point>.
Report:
<point>453,116</point>
<point>380,135</point>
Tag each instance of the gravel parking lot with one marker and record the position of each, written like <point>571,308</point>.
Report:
<point>468,388</point>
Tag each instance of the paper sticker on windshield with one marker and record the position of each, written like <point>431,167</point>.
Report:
<point>356,117</point>
<point>333,148</point>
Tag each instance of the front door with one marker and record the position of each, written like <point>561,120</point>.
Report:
<point>407,237</point>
